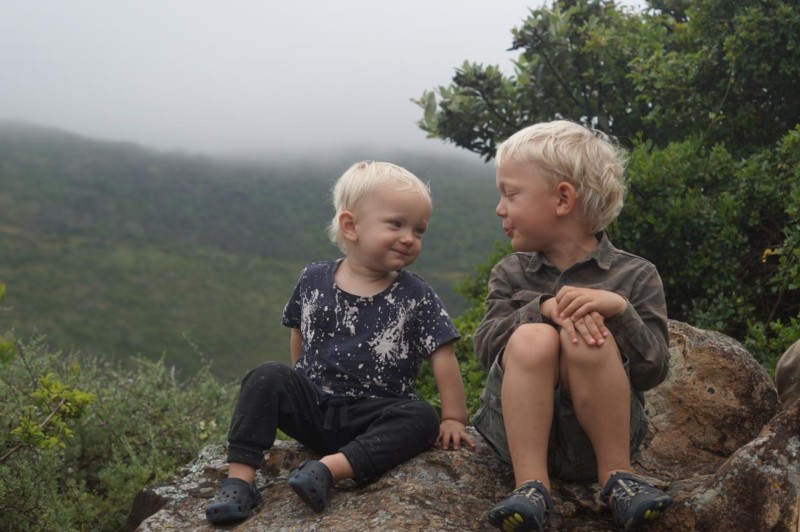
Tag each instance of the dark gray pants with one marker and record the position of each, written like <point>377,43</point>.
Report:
<point>374,434</point>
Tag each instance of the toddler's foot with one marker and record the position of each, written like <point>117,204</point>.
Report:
<point>525,508</point>
<point>632,500</point>
<point>233,502</point>
<point>311,481</point>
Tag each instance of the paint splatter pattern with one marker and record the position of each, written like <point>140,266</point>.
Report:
<point>365,346</point>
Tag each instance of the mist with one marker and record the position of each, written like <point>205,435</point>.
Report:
<point>245,77</point>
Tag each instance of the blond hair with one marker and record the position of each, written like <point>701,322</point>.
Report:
<point>361,180</point>
<point>587,159</point>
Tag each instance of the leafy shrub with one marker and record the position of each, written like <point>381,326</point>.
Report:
<point>723,233</point>
<point>473,289</point>
<point>111,432</point>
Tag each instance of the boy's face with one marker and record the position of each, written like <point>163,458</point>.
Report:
<point>389,225</point>
<point>528,206</point>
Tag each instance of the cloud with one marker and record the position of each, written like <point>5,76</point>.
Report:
<point>221,77</point>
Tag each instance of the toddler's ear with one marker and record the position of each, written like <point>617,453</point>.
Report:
<point>347,225</point>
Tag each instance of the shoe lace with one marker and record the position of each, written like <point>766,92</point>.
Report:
<point>532,492</point>
<point>623,492</point>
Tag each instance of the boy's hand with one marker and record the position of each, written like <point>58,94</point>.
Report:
<point>574,302</point>
<point>583,311</point>
<point>454,431</point>
<point>591,327</point>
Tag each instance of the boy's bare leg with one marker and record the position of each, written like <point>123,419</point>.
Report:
<point>530,372</point>
<point>601,397</point>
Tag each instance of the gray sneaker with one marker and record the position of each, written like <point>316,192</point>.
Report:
<point>525,508</point>
<point>632,500</point>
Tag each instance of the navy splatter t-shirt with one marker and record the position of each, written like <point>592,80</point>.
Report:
<point>373,346</point>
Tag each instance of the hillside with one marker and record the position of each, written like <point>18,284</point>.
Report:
<point>115,250</point>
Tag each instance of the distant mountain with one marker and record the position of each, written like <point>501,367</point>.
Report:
<point>114,249</point>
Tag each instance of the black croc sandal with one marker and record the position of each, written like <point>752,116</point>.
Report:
<point>233,502</point>
<point>311,481</point>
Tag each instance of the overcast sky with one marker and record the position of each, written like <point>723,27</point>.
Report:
<point>223,77</point>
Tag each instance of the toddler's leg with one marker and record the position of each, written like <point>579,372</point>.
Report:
<point>601,397</point>
<point>395,431</point>
<point>378,435</point>
<point>270,395</point>
<point>530,375</point>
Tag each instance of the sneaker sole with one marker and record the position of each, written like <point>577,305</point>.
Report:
<point>650,512</point>
<point>511,520</point>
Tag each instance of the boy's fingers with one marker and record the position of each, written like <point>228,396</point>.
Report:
<point>593,329</point>
<point>582,328</point>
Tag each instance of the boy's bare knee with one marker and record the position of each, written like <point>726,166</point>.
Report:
<point>583,356</point>
<point>532,345</point>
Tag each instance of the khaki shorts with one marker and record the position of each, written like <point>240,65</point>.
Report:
<point>570,455</point>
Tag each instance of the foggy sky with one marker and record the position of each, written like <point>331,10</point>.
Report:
<point>223,77</point>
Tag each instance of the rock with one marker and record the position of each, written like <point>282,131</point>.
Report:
<point>438,490</point>
<point>757,488</point>
<point>715,444</point>
<point>715,399</point>
<point>787,375</point>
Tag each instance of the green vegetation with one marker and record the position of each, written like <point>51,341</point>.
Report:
<point>79,437</point>
<point>169,272</point>
<point>117,251</point>
<point>141,287</point>
<point>702,92</point>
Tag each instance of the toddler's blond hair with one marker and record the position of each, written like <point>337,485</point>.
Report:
<point>361,180</point>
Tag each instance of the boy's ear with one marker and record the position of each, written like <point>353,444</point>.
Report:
<point>565,198</point>
<point>347,225</point>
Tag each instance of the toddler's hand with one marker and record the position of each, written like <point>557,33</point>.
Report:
<point>453,431</point>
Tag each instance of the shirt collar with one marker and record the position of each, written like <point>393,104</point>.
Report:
<point>602,254</point>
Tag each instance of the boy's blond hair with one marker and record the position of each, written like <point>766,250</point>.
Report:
<point>587,159</point>
<point>361,180</point>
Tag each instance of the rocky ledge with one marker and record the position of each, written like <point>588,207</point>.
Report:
<point>718,443</point>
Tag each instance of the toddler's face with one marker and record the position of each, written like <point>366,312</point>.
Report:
<point>390,224</point>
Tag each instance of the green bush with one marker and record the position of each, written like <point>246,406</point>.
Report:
<point>695,89</point>
<point>473,289</point>
<point>81,437</point>
<point>723,233</point>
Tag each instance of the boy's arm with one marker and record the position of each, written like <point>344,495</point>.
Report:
<point>503,313</point>
<point>447,374</point>
<point>295,345</point>
<point>641,332</point>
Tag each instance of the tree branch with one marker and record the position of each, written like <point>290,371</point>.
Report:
<point>42,425</point>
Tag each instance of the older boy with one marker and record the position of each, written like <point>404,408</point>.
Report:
<point>575,329</point>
